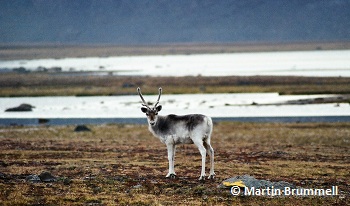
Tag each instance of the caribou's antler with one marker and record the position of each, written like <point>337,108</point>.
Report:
<point>160,93</point>
<point>143,100</point>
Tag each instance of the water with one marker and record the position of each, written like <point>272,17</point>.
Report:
<point>79,121</point>
<point>231,107</point>
<point>295,63</point>
<point>126,109</point>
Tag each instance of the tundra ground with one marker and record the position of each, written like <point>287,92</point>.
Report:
<point>126,165</point>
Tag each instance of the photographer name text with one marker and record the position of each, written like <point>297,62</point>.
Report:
<point>286,191</point>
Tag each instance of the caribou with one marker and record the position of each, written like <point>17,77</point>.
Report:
<point>174,129</point>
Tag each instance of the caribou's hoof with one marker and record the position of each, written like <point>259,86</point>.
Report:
<point>211,177</point>
<point>201,178</point>
<point>171,176</point>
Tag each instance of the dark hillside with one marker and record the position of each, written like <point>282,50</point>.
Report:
<point>165,21</point>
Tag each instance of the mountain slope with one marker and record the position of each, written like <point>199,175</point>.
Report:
<point>165,21</point>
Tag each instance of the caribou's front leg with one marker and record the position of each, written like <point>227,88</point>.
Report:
<point>171,158</point>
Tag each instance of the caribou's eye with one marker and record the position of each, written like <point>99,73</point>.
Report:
<point>147,114</point>
<point>156,113</point>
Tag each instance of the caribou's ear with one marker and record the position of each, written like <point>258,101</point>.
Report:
<point>144,109</point>
<point>159,107</point>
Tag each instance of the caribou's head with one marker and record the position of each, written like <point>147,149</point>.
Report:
<point>151,113</point>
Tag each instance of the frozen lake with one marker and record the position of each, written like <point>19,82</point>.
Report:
<point>296,63</point>
<point>260,105</point>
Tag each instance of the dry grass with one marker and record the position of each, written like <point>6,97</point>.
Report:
<point>125,165</point>
<point>41,84</point>
<point>14,52</point>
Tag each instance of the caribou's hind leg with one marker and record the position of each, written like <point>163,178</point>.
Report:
<point>203,153</point>
<point>210,151</point>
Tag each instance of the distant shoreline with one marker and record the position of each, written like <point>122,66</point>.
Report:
<point>77,121</point>
<point>46,84</point>
<point>28,51</point>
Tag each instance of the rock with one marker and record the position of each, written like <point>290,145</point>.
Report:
<point>90,177</point>
<point>128,85</point>
<point>21,108</point>
<point>82,128</point>
<point>2,176</point>
<point>33,179</point>
<point>67,181</point>
<point>137,186</point>
<point>47,177</point>
<point>21,70</point>
<point>43,121</point>
<point>3,164</point>
<point>43,177</point>
<point>249,181</point>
